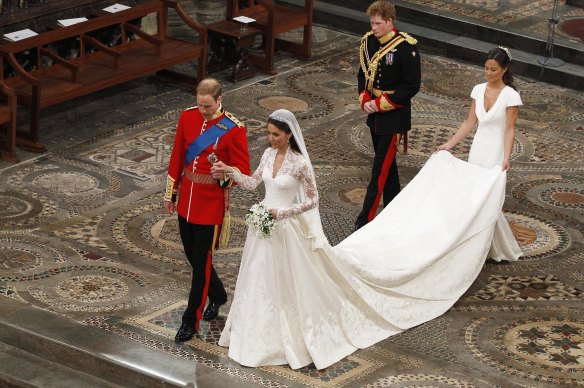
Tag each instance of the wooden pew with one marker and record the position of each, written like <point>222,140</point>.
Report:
<point>275,19</point>
<point>8,119</point>
<point>98,66</point>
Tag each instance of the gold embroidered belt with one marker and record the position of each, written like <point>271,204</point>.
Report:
<point>378,92</point>
<point>205,179</point>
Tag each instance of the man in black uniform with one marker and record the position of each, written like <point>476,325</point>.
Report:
<point>389,76</point>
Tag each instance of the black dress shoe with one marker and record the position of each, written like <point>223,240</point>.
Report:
<point>211,311</point>
<point>185,333</point>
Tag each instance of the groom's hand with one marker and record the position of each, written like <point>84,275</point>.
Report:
<point>218,170</point>
<point>218,175</point>
<point>170,206</point>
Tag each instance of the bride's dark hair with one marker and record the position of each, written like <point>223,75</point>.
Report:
<point>282,126</point>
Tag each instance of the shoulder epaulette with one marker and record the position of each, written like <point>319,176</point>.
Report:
<point>366,35</point>
<point>192,107</point>
<point>234,119</point>
<point>410,39</point>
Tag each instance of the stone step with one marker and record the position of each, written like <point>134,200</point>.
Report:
<point>496,35</point>
<point>464,46</point>
<point>19,368</point>
<point>32,335</point>
<point>438,20</point>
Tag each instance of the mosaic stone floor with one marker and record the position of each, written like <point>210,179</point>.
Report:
<point>529,17</point>
<point>83,232</point>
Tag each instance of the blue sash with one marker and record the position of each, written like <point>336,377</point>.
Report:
<point>208,137</point>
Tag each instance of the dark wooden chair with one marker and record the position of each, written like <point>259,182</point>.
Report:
<point>8,119</point>
<point>275,19</point>
<point>99,66</point>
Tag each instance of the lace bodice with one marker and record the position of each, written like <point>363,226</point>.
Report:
<point>293,177</point>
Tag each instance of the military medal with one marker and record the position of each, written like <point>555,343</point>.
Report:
<point>389,57</point>
<point>212,158</point>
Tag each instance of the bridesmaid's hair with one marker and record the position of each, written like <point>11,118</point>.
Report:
<point>282,126</point>
<point>504,60</point>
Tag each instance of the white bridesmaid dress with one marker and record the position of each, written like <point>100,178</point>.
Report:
<point>487,150</point>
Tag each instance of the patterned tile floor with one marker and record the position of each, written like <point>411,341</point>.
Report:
<point>83,232</point>
<point>530,17</point>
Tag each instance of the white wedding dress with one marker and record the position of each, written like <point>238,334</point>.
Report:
<point>300,301</point>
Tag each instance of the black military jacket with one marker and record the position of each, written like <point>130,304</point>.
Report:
<point>390,74</point>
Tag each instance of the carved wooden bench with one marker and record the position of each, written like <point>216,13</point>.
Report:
<point>98,66</point>
<point>8,119</point>
<point>274,19</point>
<point>229,44</point>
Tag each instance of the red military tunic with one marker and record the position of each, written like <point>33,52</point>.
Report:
<point>202,202</point>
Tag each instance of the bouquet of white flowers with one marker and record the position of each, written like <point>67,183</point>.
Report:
<point>259,219</point>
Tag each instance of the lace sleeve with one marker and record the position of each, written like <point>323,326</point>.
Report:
<point>251,182</point>
<point>305,176</point>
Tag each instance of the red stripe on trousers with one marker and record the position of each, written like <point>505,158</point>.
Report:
<point>199,314</point>
<point>382,178</point>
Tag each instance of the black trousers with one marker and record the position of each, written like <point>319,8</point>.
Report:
<point>384,177</point>
<point>197,242</point>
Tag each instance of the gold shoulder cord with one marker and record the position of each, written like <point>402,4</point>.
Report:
<point>365,61</point>
<point>370,75</point>
<point>410,39</point>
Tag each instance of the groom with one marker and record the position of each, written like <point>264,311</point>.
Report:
<point>389,76</point>
<point>205,134</point>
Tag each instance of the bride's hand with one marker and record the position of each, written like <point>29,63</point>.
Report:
<point>219,169</point>
<point>274,213</point>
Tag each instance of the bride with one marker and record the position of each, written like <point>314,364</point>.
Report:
<point>299,301</point>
